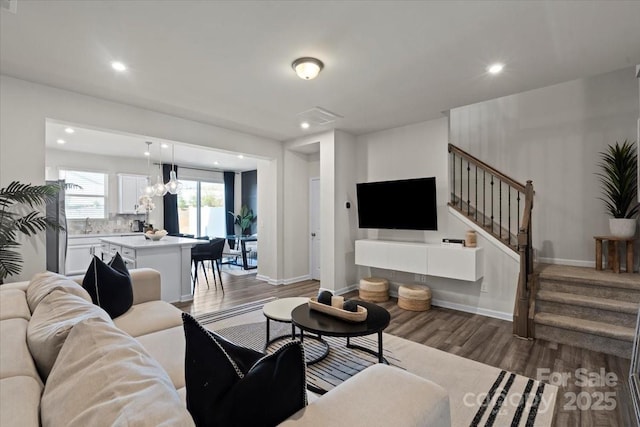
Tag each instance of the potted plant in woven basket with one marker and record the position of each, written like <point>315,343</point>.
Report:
<point>619,179</point>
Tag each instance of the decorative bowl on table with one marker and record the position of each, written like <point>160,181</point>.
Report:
<point>155,235</point>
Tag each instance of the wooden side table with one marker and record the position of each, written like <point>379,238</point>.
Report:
<point>613,257</point>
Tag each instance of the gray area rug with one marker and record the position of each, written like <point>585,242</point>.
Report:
<point>479,394</point>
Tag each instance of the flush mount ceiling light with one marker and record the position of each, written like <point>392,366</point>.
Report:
<point>495,68</point>
<point>304,125</point>
<point>69,130</point>
<point>61,141</point>
<point>307,68</point>
<point>118,66</point>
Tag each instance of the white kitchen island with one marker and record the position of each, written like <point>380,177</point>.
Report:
<point>171,256</point>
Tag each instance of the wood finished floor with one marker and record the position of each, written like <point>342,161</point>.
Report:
<point>475,337</point>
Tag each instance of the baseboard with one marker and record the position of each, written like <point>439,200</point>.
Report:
<point>186,298</point>
<point>572,262</point>
<point>466,308</point>
<point>279,282</point>
<point>341,291</point>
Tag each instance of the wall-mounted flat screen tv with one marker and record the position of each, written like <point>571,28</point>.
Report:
<point>407,204</point>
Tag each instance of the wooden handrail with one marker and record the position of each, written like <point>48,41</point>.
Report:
<point>504,178</point>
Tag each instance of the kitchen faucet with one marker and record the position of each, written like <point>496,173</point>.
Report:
<point>87,226</point>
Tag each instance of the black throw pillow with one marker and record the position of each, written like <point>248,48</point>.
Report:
<point>229,385</point>
<point>109,285</point>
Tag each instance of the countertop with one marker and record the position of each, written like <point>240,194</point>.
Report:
<point>139,242</point>
<point>98,235</point>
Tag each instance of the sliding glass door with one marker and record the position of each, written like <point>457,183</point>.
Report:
<point>201,210</point>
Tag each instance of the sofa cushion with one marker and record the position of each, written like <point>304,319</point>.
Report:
<point>50,324</point>
<point>13,303</point>
<point>15,358</point>
<point>229,385</point>
<point>416,402</point>
<point>109,285</point>
<point>148,317</point>
<point>43,283</point>
<point>103,377</point>
<point>20,401</point>
<point>167,348</point>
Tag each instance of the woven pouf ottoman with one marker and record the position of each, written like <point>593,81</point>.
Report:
<point>414,298</point>
<point>374,289</point>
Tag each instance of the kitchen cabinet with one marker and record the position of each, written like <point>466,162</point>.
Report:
<point>130,188</point>
<point>80,252</point>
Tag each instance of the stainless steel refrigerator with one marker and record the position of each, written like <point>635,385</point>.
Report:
<point>57,239</point>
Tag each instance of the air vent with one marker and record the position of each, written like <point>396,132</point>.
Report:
<point>318,116</point>
<point>10,5</point>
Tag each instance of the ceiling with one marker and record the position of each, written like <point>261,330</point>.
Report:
<point>109,143</point>
<point>387,63</point>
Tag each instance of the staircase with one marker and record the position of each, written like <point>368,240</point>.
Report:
<point>586,308</point>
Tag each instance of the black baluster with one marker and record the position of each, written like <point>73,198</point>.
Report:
<point>476,210</point>
<point>500,209</point>
<point>509,236</point>
<point>484,197</point>
<point>518,213</point>
<point>460,183</point>
<point>468,188</point>
<point>453,180</point>
<point>492,203</point>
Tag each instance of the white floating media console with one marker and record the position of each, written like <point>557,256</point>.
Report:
<point>422,258</point>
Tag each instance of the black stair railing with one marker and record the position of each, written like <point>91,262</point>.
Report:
<point>502,207</point>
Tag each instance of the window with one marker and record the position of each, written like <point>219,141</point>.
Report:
<point>201,210</point>
<point>88,199</point>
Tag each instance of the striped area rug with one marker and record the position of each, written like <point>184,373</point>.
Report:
<point>479,394</point>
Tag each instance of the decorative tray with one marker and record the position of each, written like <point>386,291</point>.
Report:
<point>350,316</point>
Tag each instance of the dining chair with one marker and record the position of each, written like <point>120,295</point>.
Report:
<point>217,247</point>
<point>199,254</point>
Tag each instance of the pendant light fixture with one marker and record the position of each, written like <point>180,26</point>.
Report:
<point>148,190</point>
<point>158,188</point>
<point>173,186</point>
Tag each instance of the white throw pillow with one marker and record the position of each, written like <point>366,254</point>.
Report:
<point>104,377</point>
<point>43,283</point>
<point>51,322</point>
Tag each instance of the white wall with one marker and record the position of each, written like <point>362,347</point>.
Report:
<point>24,107</point>
<point>420,150</point>
<point>552,136</point>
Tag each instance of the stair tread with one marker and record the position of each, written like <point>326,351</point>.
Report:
<point>588,276</point>
<point>589,301</point>
<point>587,326</point>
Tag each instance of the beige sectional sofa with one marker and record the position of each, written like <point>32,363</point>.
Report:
<point>64,362</point>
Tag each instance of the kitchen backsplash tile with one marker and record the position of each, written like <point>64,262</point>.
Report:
<point>120,223</point>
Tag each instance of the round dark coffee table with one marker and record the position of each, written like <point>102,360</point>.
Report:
<point>324,324</point>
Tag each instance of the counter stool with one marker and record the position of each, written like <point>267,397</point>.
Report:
<point>374,289</point>
<point>414,298</point>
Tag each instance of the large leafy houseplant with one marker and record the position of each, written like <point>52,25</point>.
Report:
<point>619,179</point>
<point>19,215</point>
<point>244,219</point>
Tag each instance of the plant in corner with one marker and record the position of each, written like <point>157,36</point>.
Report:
<point>619,179</point>
<point>244,219</point>
<point>19,215</point>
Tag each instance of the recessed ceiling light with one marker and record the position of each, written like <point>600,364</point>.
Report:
<point>304,125</point>
<point>61,141</point>
<point>240,156</point>
<point>164,145</point>
<point>495,68</point>
<point>69,130</point>
<point>216,163</point>
<point>147,153</point>
<point>118,66</point>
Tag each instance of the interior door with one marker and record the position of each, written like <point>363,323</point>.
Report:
<point>314,227</point>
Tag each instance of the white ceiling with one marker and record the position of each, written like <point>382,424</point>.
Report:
<point>109,143</point>
<point>387,63</point>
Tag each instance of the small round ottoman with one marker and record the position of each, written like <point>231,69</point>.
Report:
<point>374,289</point>
<point>414,298</point>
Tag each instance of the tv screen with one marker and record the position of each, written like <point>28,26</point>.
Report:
<point>407,204</point>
